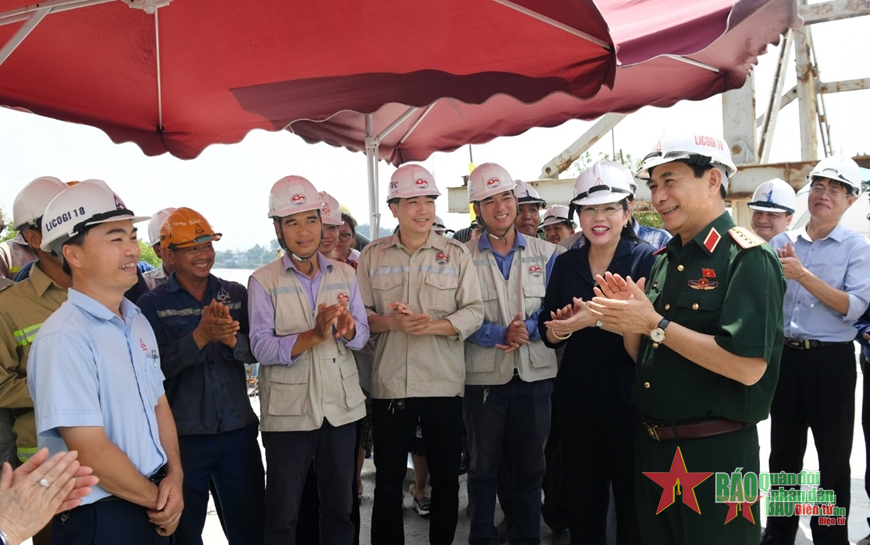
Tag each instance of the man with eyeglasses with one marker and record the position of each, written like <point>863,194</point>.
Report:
<point>201,325</point>
<point>828,272</point>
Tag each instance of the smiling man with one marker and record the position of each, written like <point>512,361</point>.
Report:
<point>529,208</point>
<point>828,272</point>
<point>772,208</point>
<point>306,316</point>
<point>423,299</point>
<point>94,374</point>
<point>508,386</point>
<point>201,325</point>
<point>707,337</point>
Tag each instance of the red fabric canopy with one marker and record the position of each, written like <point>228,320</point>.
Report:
<point>648,34</point>
<point>227,67</point>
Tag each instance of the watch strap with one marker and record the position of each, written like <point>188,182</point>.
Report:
<point>663,324</point>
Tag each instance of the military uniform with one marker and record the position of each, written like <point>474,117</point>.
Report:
<point>23,308</point>
<point>727,283</point>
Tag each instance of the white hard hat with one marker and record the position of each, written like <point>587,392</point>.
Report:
<point>487,180</point>
<point>439,227</point>
<point>840,168</point>
<point>603,182</point>
<point>155,223</point>
<point>31,201</point>
<point>773,196</point>
<point>412,181</point>
<point>291,195</point>
<point>83,205</point>
<point>330,212</point>
<point>558,213</point>
<point>525,193</point>
<point>696,147</point>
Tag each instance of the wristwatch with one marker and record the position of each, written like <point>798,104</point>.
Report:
<point>4,539</point>
<point>658,332</point>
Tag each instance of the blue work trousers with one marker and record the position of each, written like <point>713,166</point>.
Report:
<point>232,460</point>
<point>520,410</point>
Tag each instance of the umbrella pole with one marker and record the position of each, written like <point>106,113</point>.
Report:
<point>372,169</point>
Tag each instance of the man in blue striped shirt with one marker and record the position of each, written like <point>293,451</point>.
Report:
<point>828,272</point>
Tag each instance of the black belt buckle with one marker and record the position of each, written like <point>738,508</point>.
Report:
<point>651,430</point>
<point>158,475</point>
<point>799,344</point>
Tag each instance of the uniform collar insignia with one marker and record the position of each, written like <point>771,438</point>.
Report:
<point>712,240</point>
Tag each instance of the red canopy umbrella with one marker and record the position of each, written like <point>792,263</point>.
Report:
<point>669,51</point>
<point>177,77</point>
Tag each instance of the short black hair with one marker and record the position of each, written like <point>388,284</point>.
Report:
<point>77,240</point>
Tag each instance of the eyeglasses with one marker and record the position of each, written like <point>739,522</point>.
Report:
<point>590,211</point>
<point>820,190</point>
<point>344,237</point>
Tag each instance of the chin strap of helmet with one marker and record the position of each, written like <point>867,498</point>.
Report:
<point>293,255</point>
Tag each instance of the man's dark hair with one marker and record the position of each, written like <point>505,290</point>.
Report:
<point>77,240</point>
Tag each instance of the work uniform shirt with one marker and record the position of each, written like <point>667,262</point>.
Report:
<point>841,260</point>
<point>714,286</point>
<point>297,393</point>
<point>155,277</point>
<point>14,254</point>
<point>511,284</point>
<point>23,309</point>
<point>207,389</point>
<point>437,279</point>
<point>90,367</point>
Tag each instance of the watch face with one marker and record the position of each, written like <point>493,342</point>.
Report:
<point>657,335</point>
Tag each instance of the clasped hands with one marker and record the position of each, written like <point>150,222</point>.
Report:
<point>216,325</point>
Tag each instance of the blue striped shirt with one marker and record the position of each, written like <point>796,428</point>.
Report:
<point>842,260</point>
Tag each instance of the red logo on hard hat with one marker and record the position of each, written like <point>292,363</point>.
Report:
<point>709,141</point>
<point>493,182</point>
<point>325,209</point>
<point>442,259</point>
<point>599,181</point>
<point>298,199</point>
<point>535,270</point>
<point>658,146</point>
<point>422,183</point>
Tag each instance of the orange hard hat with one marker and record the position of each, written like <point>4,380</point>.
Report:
<point>184,228</point>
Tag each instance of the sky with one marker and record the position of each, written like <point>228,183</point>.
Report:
<point>229,184</point>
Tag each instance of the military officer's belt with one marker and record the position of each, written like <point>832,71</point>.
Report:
<point>694,430</point>
<point>807,344</point>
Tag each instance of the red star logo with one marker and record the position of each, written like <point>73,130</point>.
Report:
<point>676,481</point>
<point>745,507</point>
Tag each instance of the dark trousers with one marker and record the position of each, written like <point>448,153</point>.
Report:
<point>394,431</point>
<point>522,411</point>
<point>816,389</point>
<point>232,460</point>
<point>556,493</point>
<point>289,454</point>
<point>106,523</point>
<point>865,420</point>
<point>308,525</point>
<point>600,448</point>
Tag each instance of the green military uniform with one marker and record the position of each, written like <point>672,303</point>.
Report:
<point>23,308</point>
<point>727,283</point>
